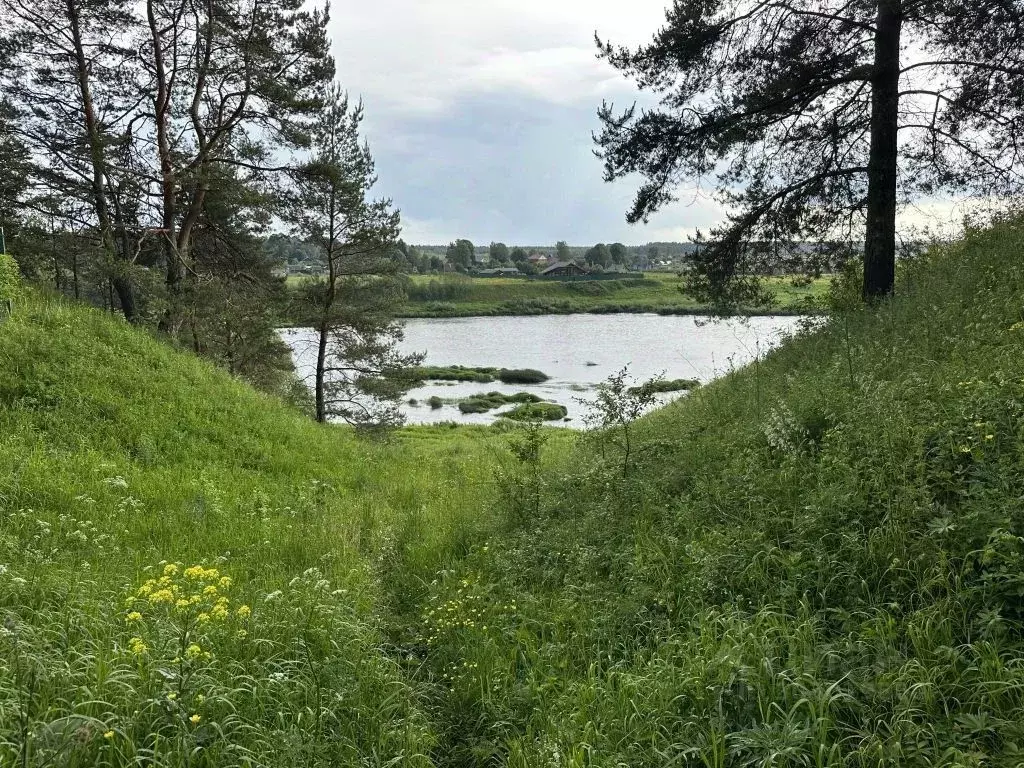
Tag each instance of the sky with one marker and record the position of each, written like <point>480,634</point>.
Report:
<point>479,114</point>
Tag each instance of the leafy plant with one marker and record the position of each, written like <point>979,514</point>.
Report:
<point>618,403</point>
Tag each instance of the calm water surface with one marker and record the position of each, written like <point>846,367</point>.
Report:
<point>576,351</point>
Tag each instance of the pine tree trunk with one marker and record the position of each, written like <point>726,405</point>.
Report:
<point>880,234</point>
<point>98,161</point>
<point>321,374</point>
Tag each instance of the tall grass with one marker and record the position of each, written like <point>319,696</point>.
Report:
<point>809,567</point>
<point>120,457</point>
<point>813,562</point>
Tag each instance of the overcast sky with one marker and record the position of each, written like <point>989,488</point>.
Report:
<point>479,114</point>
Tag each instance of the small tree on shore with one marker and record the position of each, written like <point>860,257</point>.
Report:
<point>351,307</point>
<point>619,402</point>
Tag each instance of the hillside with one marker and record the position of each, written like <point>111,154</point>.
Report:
<point>815,561</point>
<point>119,458</point>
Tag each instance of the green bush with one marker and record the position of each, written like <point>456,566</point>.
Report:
<point>10,278</point>
<point>487,402</point>
<point>521,376</point>
<point>667,385</point>
<point>537,412</point>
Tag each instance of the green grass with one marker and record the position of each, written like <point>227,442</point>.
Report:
<point>118,455</point>
<point>488,401</point>
<point>667,385</point>
<point>814,561</point>
<point>817,561</point>
<point>460,296</point>
<point>536,412</point>
<point>422,373</point>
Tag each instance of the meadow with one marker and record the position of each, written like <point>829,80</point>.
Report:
<point>462,296</point>
<point>813,561</point>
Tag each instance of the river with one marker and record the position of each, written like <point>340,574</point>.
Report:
<point>575,351</point>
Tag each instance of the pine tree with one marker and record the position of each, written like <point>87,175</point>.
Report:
<point>815,118</point>
<point>351,307</point>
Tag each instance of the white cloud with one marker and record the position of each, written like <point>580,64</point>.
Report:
<point>420,56</point>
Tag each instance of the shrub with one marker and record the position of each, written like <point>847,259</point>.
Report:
<point>537,412</point>
<point>10,278</point>
<point>448,373</point>
<point>486,402</point>
<point>521,376</point>
<point>666,385</point>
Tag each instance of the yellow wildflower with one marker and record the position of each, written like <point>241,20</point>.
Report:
<point>172,696</point>
<point>202,618</point>
<point>133,616</point>
<point>181,605</point>
<point>193,652</point>
<point>225,582</point>
<point>219,612</point>
<point>195,719</point>
<point>161,596</point>
<point>146,588</point>
<point>210,590</point>
<point>244,611</point>
<point>170,570</point>
<point>194,572</point>
<point>137,646</point>
<point>108,735</point>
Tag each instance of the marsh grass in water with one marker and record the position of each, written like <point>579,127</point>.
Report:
<point>488,401</point>
<point>423,373</point>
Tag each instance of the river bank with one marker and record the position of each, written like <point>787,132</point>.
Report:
<point>447,296</point>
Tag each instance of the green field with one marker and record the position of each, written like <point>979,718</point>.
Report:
<point>814,561</point>
<point>461,296</point>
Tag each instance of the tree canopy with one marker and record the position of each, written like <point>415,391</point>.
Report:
<point>818,119</point>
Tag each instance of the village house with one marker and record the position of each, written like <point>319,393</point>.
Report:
<point>563,269</point>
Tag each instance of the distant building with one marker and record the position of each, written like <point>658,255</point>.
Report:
<point>563,269</point>
<point>537,259</point>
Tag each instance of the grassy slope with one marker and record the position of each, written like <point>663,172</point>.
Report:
<point>814,562</point>
<point>117,453</point>
<point>817,561</point>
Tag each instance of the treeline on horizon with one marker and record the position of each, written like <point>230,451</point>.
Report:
<point>462,255</point>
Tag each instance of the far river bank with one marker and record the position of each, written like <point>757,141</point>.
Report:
<point>460,296</point>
